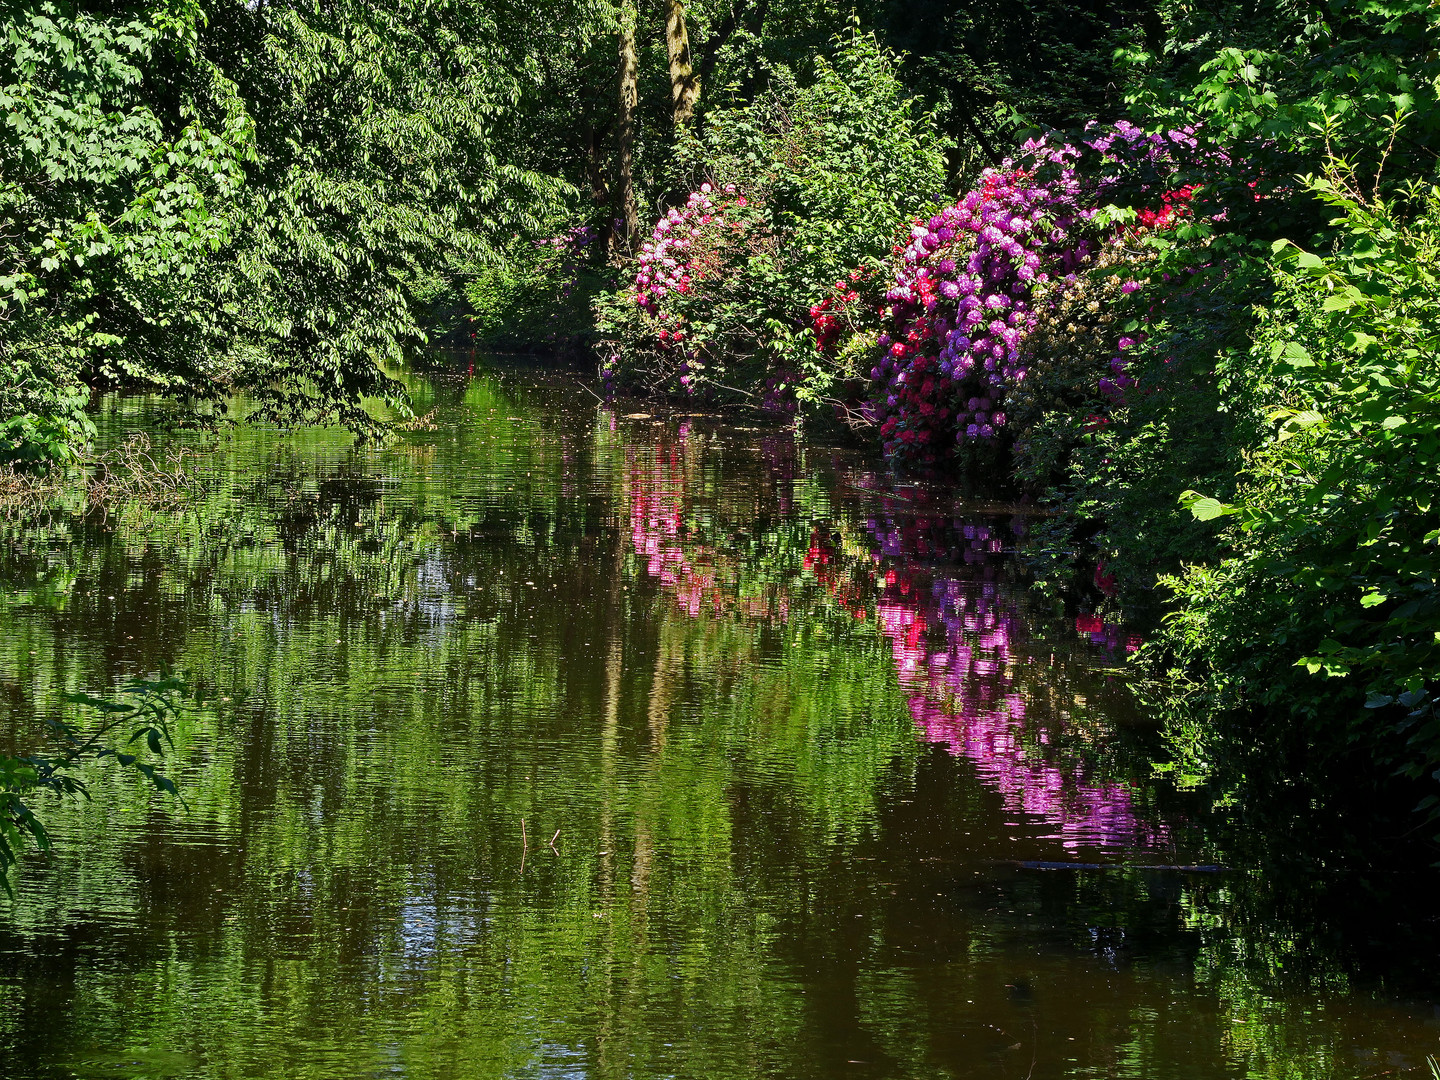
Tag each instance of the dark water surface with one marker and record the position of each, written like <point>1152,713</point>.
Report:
<point>559,742</point>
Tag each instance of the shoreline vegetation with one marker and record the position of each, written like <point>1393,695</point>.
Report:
<point>1168,274</point>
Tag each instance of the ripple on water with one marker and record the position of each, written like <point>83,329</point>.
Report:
<point>554,742</point>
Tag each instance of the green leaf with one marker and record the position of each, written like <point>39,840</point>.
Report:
<point>1296,355</point>
<point>1204,508</point>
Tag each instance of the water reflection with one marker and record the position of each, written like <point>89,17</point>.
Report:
<point>938,590</point>
<point>555,743</point>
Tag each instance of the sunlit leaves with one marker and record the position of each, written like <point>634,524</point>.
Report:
<point>1335,510</point>
<point>115,190</point>
<point>205,197</point>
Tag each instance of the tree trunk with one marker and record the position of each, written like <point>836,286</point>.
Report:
<point>599,189</point>
<point>720,38</point>
<point>629,99</point>
<point>684,80</point>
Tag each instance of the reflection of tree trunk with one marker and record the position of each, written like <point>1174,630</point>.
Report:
<point>610,724</point>
<point>610,1041</point>
<point>684,81</point>
<point>629,99</point>
<point>624,939</point>
<point>669,666</point>
<point>609,740</point>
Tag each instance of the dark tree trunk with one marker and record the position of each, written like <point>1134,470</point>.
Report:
<point>629,99</point>
<point>684,79</point>
<point>599,189</point>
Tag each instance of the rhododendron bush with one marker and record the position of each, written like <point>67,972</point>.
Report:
<point>786,197</point>
<point>964,298</point>
<point>1076,362</point>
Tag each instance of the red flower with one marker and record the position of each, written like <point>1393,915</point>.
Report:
<point>1103,581</point>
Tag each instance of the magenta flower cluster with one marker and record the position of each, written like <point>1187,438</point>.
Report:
<point>962,301</point>
<point>960,305</point>
<point>665,259</point>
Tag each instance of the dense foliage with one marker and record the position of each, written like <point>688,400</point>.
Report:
<point>205,198</point>
<point>1323,608</point>
<point>1286,365</point>
<point>790,193</point>
<point>123,152</point>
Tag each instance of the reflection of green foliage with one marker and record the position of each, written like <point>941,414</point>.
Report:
<point>390,742</point>
<point>390,699</point>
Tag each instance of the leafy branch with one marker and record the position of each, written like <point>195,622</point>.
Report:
<point>147,708</point>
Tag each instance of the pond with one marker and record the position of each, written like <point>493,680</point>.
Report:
<point>557,740</point>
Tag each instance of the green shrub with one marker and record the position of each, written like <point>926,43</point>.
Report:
<point>1069,351</point>
<point>790,194</point>
<point>1187,422</point>
<point>1326,605</point>
<point>538,296</point>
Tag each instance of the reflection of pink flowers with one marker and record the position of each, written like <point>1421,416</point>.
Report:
<point>1106,636</point>
<point>964,697</point>
<point>955,647</point>
<point>655,518</point>
<point>658,494</point>
<point>954,629</point>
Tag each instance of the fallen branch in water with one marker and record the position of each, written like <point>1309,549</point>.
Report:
<point>128,473</point>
